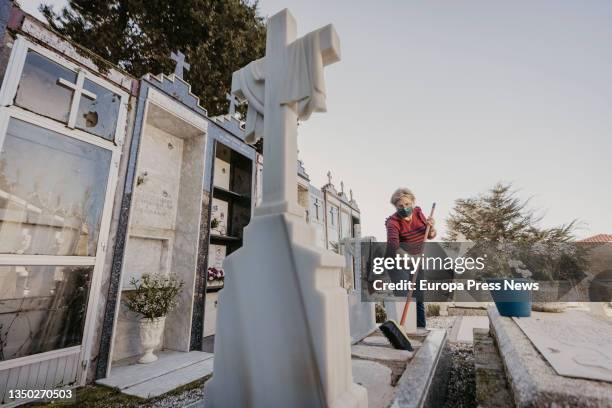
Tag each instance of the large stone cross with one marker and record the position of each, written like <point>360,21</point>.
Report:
<point>284,86</point>
<point>179,58</point>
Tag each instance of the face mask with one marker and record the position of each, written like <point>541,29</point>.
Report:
<point>404,212</point>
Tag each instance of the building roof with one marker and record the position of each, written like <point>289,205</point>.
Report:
<point>600,238</point>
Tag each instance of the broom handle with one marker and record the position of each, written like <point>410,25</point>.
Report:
<point>407,304</point>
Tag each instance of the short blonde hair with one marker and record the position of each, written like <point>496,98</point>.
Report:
<point>401,192</point>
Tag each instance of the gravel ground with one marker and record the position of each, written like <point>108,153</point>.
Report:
<point>440,322</point>
<point>461,391</point>
<point>180,400</point>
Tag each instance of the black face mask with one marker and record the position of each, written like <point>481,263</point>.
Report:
<point>404,212</point>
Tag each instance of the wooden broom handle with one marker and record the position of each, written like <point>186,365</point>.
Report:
<point>414,276</point>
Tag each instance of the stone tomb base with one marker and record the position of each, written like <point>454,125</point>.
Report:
<point>401,378</point>
<point>173,369</point>
<point>533,382</point>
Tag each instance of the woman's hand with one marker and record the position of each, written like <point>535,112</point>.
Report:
<point>431,222</point>
<point>432,230</point>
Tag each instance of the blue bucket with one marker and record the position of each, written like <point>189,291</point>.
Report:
<point>511,303</point>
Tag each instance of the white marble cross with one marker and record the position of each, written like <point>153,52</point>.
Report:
<point>180,64</point>
<point>284,86</point>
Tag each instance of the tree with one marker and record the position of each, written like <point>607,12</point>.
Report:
<point>505,231</point>
<point>217,37</point>
<point>500,217</point>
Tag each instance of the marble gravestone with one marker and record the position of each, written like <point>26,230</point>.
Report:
<point>576,344</point>
<point>283,328</point>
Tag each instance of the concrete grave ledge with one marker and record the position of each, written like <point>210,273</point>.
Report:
<point>426,377</point>
<point>396,360</point>
<point>381,341</point>
<point>533,381</point>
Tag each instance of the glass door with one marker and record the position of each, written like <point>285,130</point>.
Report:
<point>60,144</point>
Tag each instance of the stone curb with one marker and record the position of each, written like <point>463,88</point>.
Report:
<point>533,381</point>
<point>424,382</point>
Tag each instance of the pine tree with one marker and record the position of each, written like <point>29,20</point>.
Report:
<point>499,216</point>
<point>217,37</point>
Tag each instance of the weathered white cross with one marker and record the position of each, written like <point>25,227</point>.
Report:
<point>232,107</point>
<point>79,90</point>
<point>180,64</point>
<point>280,72</point>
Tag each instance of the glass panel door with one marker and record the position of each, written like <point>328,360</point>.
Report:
<point>52,198</point>
<point>52,190</point>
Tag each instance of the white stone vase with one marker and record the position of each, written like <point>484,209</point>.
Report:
<point>150,336</point>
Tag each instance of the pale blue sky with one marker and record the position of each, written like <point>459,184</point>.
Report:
<point>448,98</point>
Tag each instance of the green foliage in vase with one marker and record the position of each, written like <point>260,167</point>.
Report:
<point>155,295</point>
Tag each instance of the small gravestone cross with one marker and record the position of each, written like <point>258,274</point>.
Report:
<point>233,101</point>
<point>181,65</point>
<point>317,205</point>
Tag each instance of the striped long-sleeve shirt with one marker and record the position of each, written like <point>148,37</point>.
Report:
<point>410,231</point>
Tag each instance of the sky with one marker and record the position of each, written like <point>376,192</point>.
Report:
<point>449,98</point>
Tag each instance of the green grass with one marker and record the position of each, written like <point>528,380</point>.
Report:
<point>97,396</point>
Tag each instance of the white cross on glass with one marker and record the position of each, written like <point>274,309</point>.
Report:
<point>76,96</point>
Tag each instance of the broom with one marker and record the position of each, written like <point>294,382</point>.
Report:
<point>394,332</point>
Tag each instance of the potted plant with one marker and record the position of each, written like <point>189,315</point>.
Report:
<point>153,297</point>
<point>503,265</point>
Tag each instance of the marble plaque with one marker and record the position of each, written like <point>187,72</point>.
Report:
<point>219,216</point>
<point>216,256</point>
<point>158,180</point>
<point>145,255</point>
<point>576,344</point>
<point>221,176</point>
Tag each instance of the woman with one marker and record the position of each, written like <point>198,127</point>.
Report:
<point>407,226</point>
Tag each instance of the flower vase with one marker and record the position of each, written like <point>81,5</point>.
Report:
<point>150,337</point>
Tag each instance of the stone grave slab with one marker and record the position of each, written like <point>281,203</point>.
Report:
<point>376,378</point>
<point>125,376</point>
<point>168,382</point>
<point>380,353</point>
<point>392,358</point>
<point>382,341</point>
<point>532,380</point>
<point>576,344</point>
<point>463,328</point>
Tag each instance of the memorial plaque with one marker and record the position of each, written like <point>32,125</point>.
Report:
<point>576,344</point>
<point>158,180</point>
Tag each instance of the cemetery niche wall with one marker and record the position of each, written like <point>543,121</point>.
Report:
<point>136,179</point>
<point>186,202</point>
<point>63,131</point>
